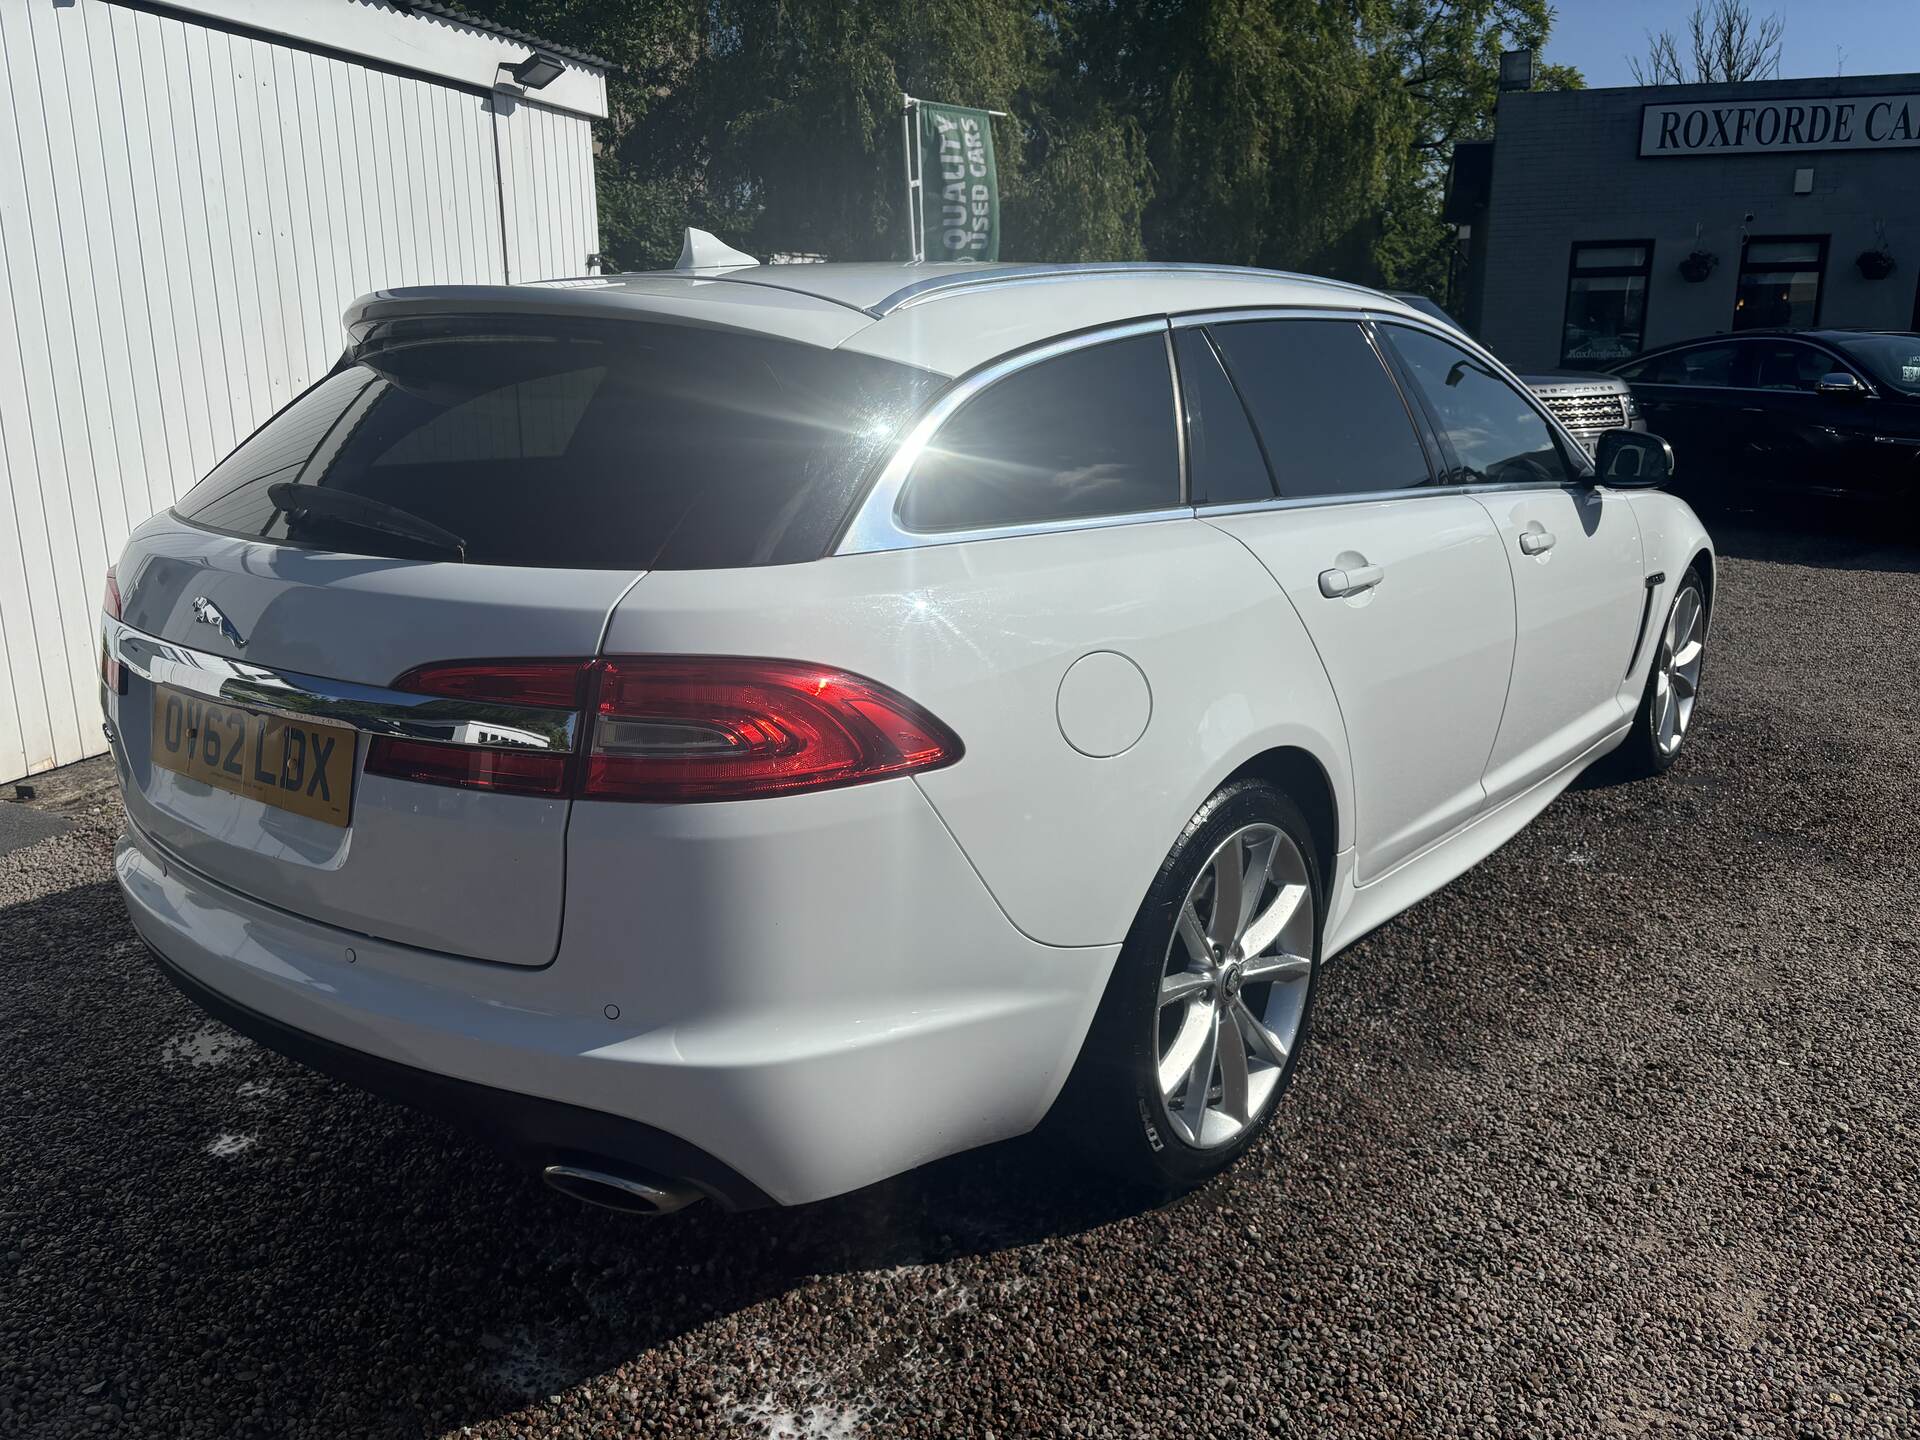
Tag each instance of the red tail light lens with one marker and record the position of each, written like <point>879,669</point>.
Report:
<point>674,729</point>
<point>112,674</point>
<point>555,684</point>
<point>469,767</point>
<point>677,728</point>
<point>541,684</point>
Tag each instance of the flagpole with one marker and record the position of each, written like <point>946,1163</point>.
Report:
<point>909,144</point>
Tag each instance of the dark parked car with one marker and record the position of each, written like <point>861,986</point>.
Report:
<point>1586,403</point>
<point>1761,413</point>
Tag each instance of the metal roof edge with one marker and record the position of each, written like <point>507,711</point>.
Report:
<point>459,13</point>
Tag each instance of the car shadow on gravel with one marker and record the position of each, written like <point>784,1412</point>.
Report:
<point>204,1237</point>
<point>1819,538</point>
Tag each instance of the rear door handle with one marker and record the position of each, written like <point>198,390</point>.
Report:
<point>1535,542</point>
<point>1337,584</point>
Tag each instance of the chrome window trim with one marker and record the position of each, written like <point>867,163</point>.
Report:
<point>1413,321</point>
<point>876,525</point>
<point>369,709</point>
<point>1179,420</point>
<point>1370,497</point>
<point>1740,337</point>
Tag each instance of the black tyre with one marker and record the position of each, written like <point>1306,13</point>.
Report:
<point>1673,685</point>
<point>1204,1019</point>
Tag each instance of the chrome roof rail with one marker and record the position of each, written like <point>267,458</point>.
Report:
<point>933,287</point>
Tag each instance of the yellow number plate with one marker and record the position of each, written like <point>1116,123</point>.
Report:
<point>296,765</point>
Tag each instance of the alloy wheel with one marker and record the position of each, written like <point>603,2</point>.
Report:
<point>1676,681</point>
<point>1234,987</point>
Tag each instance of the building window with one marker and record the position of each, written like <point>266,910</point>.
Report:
<point>1606,303</point>
<point>1780,283</point>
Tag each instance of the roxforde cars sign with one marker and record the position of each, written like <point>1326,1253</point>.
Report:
<point>1859,122</point>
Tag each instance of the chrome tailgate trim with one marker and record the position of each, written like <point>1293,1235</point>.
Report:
<point>369,709</point>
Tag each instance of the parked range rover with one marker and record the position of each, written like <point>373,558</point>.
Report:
<point>1790,413</point>
<point>743,733</point>
<point>1588,404</point>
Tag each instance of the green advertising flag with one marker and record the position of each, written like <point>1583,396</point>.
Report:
<point>959,190</point>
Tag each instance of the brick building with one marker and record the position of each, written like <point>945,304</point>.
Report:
<point>1605,222</point>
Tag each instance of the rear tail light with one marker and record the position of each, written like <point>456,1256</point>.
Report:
<point>112,673</point>
<point>675,729</point>
<point>672,728</point>
<point>514,770</point>
<point>469,767</point>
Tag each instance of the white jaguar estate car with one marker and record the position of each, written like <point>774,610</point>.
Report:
<point>744,732</point>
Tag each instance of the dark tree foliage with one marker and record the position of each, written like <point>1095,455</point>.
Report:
<point>1305,134</point>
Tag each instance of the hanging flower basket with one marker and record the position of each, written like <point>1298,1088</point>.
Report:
<point>1874,264</point>
<point>1697,266</point>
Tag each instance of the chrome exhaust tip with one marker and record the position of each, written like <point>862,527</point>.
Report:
<point>619,1192</point>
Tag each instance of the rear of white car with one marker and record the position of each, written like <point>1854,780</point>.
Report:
<point>747,733</point>
<point>394,808</point>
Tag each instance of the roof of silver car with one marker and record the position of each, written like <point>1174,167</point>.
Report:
<point>880,288</point>
<point>946,317</point>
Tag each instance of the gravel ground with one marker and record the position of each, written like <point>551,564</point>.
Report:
<point>1617,1135</point>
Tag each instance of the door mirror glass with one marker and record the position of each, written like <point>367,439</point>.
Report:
<point>1841,383</point>
<point>1632,459</point>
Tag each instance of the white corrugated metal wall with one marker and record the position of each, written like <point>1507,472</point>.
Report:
<point>185,211</point>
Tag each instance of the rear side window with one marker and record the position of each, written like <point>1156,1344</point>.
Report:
<point>1223,457</point>
<point>1495,433</point>
<point>1085,434</point>
<point>1330,415</point>
<point>604,446</point>
<point>1711,365</point>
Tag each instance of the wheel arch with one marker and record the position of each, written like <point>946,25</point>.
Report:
<point>1299,774</point>
<point>1703,562</point>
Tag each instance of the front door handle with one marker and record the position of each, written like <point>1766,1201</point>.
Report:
<point>1337,584</point>
<point>1535,542</point>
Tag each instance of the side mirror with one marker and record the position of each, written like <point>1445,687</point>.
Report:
<point>1840,383</point>
<point>1632,459</point>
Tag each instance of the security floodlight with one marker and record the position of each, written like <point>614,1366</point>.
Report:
<point>1516,70</point>
<point>540,70</point>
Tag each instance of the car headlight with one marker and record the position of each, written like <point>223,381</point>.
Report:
<point>1633,407</point>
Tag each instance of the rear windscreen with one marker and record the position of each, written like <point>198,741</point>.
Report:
<point>615,445</point>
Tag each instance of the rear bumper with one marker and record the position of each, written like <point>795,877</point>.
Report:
<point>536,1131</point>
<point>860,1007</point>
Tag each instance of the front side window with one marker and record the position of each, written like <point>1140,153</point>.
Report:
<point>1495,434</point>
<point>619,445</point>
<point>1329,414</point>
<point>1606,316</point>
<point>1779,286</point>
<point>1788,365</point>
<point>1085,434</point>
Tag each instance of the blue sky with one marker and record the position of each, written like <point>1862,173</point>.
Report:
<point>1875,37</point>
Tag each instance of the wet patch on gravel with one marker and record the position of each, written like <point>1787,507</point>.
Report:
<point>1619,1134</point>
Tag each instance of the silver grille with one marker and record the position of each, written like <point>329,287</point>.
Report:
<point>1589,413</point>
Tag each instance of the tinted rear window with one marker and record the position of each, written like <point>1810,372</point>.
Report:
<point>1088,433</point>
<point>607,446</point>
